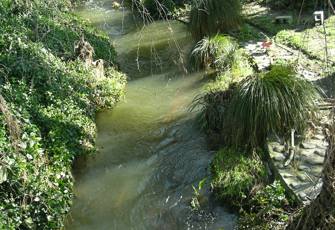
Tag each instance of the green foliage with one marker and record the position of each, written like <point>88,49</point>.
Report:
<point>209,17</point>
<point>195,201</point>
<point>248,33</point>
<point>311,41</point>
<point>54,99</point>
<point>270,103</point>
<point>213,104</point>
<point>58,36</point>
<point>235,174</point>
<point>268,208</point>
<point>216,52</point>
<point>231,64</point>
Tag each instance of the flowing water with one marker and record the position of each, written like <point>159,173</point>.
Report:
<point>150,152</point>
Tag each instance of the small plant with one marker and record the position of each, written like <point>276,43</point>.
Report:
<point>195,202</point>
<point>235,174</point>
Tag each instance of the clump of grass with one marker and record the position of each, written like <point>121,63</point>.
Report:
<point>209,17</point>
<point>215,52</point>
<point>269,103</point>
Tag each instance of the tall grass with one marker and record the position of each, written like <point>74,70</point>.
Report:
<point>210,17</point>
<point>216,52</point>
<point>274,102</point>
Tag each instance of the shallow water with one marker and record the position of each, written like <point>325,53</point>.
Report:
<point>150,152</point>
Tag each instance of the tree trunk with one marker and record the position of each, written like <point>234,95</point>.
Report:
<point>320,214</point>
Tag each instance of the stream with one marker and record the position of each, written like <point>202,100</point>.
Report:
<point>150,151</point>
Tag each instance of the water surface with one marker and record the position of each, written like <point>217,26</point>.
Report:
<point>150,152</point>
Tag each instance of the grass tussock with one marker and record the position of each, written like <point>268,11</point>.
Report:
<point>209,17</point>
<point>270,103</point>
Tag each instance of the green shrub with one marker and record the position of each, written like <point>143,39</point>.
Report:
<point>235,174</point>
<point>269,208</point>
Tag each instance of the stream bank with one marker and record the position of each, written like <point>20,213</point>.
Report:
<point>48,102</point>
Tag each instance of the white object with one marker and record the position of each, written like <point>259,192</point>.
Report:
<point>292,137</point>
<point>319,17</point>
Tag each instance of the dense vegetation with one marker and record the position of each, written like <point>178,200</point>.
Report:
<point>48,104</point>
<point>240,108</point>
<point>235,175</point>
<point>209,17</point>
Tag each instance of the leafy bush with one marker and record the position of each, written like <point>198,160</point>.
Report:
<point>269,208</point>
<point>235,174</point>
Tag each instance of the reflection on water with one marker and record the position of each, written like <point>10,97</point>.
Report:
<point>149,151</point>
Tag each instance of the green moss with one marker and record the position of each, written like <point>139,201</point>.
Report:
<point>235,174</point>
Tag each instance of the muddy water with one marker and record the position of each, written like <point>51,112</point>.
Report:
<point>150,152</point>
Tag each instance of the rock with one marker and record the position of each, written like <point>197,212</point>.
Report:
<point>278,148</point>
<point>302,178</point>
<point>319,137</point>
<point>306,145</point>
<point>316,160</point>
<point>279,157</point>
<point>295,185</point>
<point>3,174</point>
<point>166,143</point>
<point>322,147</point>
<point>116,5</point>
<point>302,195</point>
<point>287,175</point>
<point>303,167</point>
<point>320,152</point>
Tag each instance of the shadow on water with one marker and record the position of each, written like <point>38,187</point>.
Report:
<point>150,153</point>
